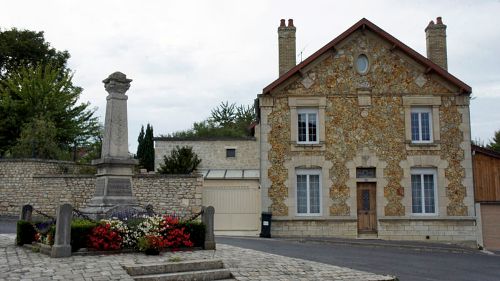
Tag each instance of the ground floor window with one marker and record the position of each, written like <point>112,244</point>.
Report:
<point>423,191</point>
<point>308,192</point>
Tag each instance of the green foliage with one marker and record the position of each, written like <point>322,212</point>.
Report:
<point>80,230</point>
<point>149,149</point>
<point>26,48</point>
<point>196,231</point>
<point>495,143</point>
<point>35,84</point>
<point>226,120</point>
<point>145,148</point>
<point>38,140</point>
<point>140,144</point>
<point>25,233</point>
<point>182,160</point>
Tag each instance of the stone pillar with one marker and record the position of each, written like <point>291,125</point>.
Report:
<point>115,168</point>
<point>62,240</point>
<point>286,45</point>
<point>208,220</point>
<point>436,43</point>
<point>26,213</point>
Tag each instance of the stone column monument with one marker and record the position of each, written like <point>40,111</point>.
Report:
<point>115,168</point>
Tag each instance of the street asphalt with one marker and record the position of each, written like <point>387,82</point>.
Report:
<point>407,263</point>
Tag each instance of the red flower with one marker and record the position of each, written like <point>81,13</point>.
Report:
<point>104,238</point>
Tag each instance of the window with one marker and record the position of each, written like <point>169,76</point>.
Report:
<point>230,152</point>
<point>362,64</point>
<point>421,125</point>
<point>307,125</point>
<point>308,192</point>
<point>423,191</point>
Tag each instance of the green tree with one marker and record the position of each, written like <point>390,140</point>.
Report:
<point>44,92</point>
<point>182,160</point>
<point>140,144</point>
<point>26,48</point>
<point>226,120</point>
<point>495,143</point>
<point>38,140</point>
<point>149,150</point>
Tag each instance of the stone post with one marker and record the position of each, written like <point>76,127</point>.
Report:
<point>115,168</point>
<point>26,213</point>
<point>208,220</point>
<point>62,241</point>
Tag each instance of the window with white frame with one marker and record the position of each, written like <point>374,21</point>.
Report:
<point>423,191</point>
<point>308,192</point>
<point>421,125</point>
<point>307,126</point>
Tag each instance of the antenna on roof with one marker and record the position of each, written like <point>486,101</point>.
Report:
<point>301,52</point>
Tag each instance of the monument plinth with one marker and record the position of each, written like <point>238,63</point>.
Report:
<point>113,187</point>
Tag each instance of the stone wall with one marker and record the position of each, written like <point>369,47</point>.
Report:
<point>212,152</point>
<point>435,230</point>
<point>314,228</point>
<point>45,184</point>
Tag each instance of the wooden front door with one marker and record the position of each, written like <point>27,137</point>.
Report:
<point>367,207</point>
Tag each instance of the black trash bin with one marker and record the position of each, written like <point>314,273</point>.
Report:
<point>265,225</point>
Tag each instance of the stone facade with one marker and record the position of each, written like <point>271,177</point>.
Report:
<point>364,121</point>
<point>45,184</point>
<point>212,152</point>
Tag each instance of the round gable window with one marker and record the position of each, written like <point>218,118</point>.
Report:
<point>362,64</point>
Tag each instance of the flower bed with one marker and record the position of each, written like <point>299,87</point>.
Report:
<point>151,234</point>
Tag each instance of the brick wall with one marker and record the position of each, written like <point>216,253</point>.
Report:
<point>46,184</point>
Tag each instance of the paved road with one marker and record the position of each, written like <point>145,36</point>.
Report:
<point>406,264</point>
<point>7,225</point>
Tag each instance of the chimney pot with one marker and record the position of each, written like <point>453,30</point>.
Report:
<point>282,23</point>
<point>439,20</point>
<point>290,23</point>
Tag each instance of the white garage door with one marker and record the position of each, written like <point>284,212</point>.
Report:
<point>490,216</point>
<point>237,206</point>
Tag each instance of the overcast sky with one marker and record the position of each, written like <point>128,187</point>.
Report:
<point>185,57</point>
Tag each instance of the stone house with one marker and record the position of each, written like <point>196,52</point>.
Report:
<point>367,138</point>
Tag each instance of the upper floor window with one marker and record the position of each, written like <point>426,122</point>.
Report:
<point>423,191</point>
<point>421,125</point>
<point>230,152</point>
<point>307,125</point>
<point>308,192</point>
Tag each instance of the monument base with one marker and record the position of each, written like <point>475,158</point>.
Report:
<point>121,212</point>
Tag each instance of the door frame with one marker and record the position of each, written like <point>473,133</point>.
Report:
<point>373,206</point>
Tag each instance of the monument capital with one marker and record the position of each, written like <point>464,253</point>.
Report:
<point>117,82</point>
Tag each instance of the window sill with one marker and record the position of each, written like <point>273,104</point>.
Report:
<point>423,146</point>
<point>307,146</point>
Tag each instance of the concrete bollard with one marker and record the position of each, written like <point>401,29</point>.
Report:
<point>62,241</point>
<point>208,220</point>
<point>26,212</point>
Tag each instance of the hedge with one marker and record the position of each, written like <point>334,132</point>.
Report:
<point>25,233</point>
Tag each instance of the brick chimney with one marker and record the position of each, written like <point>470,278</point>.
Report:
<point>286,42</point>
<point>435,34</point>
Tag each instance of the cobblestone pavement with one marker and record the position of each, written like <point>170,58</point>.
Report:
<point>17,263</point>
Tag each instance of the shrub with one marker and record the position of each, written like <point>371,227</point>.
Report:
<point>196,231</point>
<point>80,231</point>
<point>25,233</point>
<point>104,238</point>
<point>182,160</point>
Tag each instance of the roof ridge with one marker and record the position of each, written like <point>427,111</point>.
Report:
<point>365,23</point>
